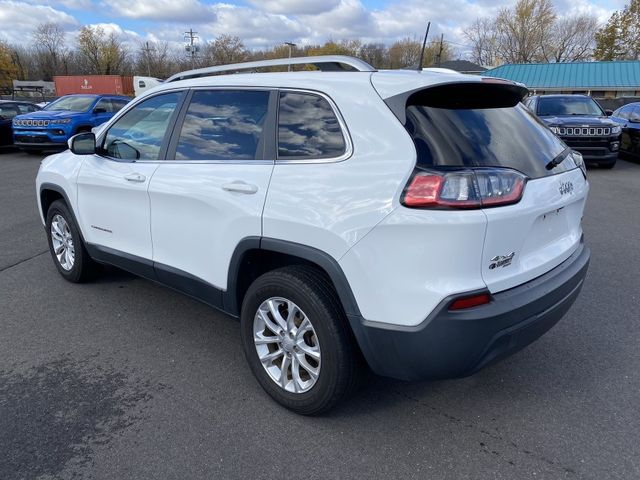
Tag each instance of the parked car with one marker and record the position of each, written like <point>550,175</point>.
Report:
<point>628,117</point>
<point>582,124</point>
<point>425,222</point>
<point>52,126</point>
<point>9,109</point>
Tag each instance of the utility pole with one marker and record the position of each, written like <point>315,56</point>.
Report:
<point>147,51</point>
<point>440,49</point>
<point>191,46</point>
<point>291,46</point>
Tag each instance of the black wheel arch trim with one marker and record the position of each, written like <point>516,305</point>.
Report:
<point>58,189</point>
<point>313,255</point>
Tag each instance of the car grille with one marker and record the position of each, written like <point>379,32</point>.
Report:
<point>31,139</point>
<point>584,131</point>
<point>31,123</point>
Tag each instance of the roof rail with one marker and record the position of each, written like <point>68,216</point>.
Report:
<point>327,63</point>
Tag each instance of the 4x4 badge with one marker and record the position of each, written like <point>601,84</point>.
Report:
<point>566,187</point>
<point>501,261</point>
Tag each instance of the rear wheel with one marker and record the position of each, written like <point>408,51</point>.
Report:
<point>297,341</point>
<point>65,244</point>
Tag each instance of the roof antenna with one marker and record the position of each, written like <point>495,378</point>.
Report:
<point>424,45</point>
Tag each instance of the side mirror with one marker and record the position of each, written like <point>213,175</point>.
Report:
<point>608,112</point>
<point>99,110</point>
<point>83,143</point>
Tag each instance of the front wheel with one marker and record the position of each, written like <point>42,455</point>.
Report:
<point>65,244</point>
<point>297,341</point>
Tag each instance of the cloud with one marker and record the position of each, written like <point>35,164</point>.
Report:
<point>255,28</point>
<point>164,10</point>
<point>19,19</point>
<point>295,7</point>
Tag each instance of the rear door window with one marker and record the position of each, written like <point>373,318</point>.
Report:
<point>308,127</point>
<point>504,136</point>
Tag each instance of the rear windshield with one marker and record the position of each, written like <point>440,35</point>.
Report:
<point>485,137</point>
<point>560,106</point>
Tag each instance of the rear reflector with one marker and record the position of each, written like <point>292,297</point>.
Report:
<point>471,188</point>
<point>470,302</point>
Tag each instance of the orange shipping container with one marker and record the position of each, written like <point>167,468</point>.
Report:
<point>108,84</point>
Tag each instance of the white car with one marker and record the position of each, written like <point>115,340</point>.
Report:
<point>423,223</point>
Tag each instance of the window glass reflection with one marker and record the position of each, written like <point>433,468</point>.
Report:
<point>307,127</point>
<point>224,125</point>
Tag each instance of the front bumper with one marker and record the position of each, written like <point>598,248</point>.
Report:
<point>595,149</point>
<point>451,344</point>
<point>50,138</point>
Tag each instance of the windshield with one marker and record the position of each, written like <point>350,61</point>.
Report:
<point>71,104</point>
<point>484,137</point>
<point>559,106</point>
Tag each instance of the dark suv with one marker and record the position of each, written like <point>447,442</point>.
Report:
<point>581,123</point>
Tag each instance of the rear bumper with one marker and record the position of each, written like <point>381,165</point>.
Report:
<point>455,344</point>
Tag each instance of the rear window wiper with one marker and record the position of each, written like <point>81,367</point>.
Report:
<point>558,159</point>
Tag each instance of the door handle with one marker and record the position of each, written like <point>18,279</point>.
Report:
<point>240,187</point>
<point>135,177</point>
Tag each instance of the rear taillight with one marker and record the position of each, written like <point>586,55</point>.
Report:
<point>477,188</point>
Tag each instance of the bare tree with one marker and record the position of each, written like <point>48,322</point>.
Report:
<point>483,36</point>
<point>524,29</point>
<point>156,59</point>
<point>572,39</point>
<point>49,44</point>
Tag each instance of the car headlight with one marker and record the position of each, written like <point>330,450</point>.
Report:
<point>617,130</point>
<point>61,121</point>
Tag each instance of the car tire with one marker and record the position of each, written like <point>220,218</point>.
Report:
<point>66,245</point>
<point>306,294</point>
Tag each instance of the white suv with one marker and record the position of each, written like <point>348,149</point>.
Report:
<point>421,222</point>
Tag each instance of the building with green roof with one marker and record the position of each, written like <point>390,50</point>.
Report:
<point>598,79</point>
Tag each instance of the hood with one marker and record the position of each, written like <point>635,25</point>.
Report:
<point>46,115</point>
<point>579,120</point>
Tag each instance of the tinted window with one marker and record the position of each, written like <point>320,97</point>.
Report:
<point>139,133</point>
<point>552,106</point>
<point>8,110</point>
<point>72,103</point>
<point>105,104</point>
<point>26,108</point>
<point>308,127</point>
<point>118,104</point>
<point>624,112</point>
<point>224,125</point>
<point>498,137</point>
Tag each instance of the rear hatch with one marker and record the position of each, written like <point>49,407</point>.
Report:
<point>479,125</point>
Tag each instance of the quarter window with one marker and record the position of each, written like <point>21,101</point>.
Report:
<point>308,127</point>
<point>140,132</point>
<point>224,125</point>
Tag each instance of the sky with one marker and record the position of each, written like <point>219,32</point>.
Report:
<point>266,23</point>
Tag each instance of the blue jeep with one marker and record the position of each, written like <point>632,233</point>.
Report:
<point>51,127</point>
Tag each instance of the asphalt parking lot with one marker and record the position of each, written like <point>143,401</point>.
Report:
<point>122,378</point>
